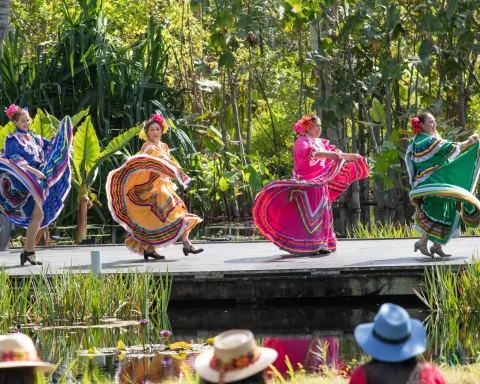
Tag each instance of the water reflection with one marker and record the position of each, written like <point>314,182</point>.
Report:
<point>314,355</point>
<point>156,369</point>
<point>315,339</point>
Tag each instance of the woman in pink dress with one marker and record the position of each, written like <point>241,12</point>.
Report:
<point>296,214</point>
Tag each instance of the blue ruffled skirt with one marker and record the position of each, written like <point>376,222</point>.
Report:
<point>19,189</point>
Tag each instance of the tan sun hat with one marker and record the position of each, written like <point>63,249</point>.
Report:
<point>17,350</point>
<point>235,356</point>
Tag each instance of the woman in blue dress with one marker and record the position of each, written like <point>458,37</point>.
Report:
<point>34,177</point>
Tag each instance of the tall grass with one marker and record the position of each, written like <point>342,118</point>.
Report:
<point>381,231</point>
<point>448,290</point>
<point>393,230</point>
<point>82,297</point>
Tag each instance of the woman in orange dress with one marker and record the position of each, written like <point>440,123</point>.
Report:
<point>142,198</point>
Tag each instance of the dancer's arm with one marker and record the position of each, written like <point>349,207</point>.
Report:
<point>470,141</point>
<point>329,155</point>
<point>13,152</point>
<point>349,156</point>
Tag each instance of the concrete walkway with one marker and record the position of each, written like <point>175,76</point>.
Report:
<point>259,270</point>
<point>246,257</point>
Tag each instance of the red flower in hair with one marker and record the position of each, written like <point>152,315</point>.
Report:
<point>302,126</point>
<point>416,126</point>
<point>161,120</point>
<point>10,112</point>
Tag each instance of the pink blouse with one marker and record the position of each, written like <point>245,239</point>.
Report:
<point>306,165</point>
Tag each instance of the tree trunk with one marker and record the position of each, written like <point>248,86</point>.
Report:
<point>317,31</point>
<point>272,120</point>
<point>43,237</point>
<point>222,116</point>
<point>361,102</point>
<point>83,205</point>
<point>4,13</point>
<point>236,120</point>
<point>249,106</point>
<point>300,64</point>
<point>355,186</point>
<point>461,101</point>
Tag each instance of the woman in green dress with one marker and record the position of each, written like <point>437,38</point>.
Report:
<point>443,175</point>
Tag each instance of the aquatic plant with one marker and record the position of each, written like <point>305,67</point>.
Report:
<point>72,297</point>
<point>392,230</point>
<point>452,290</point>
<point>381,231</point>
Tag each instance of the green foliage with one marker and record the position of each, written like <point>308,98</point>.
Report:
<point>75,297</point>
<point>452,290</point>
<point>86,149</point>
<point>4,132</point>
<point>376,65</point>
<point>381,231</point>
<point>121,83</point>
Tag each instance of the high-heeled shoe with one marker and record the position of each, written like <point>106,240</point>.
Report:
<point>323,252</point>
<point>438,251</point>
<point>423,248</point>
<point>30,257</point>
<point>153,255</point>
<point>193,250</point>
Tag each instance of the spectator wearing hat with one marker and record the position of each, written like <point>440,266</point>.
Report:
<point>235,358</point>
<point>394,340</point>
<point>19,360</point>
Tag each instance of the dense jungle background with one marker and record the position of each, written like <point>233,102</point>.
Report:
<point>232,77</point>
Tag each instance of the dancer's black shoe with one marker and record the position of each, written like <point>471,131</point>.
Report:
<point>193,250</point>
<point>153,255</point>
<point>30,257</point>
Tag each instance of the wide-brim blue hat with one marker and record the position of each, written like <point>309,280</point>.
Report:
<point>393,336</point>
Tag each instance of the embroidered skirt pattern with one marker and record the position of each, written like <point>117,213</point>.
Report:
<point>297,216</point>
<point>142,199</point>
<point>445,199</point>
<point>19,189</point>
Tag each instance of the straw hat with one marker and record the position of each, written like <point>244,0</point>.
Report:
<point>17,350</point>
<point>235,356</point>
<point>393,336</point>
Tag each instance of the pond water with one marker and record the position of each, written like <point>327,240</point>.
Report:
<point>313,337</point>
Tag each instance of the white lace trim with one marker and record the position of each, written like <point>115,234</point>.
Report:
<point>429,155</point>
<point>32,147</point>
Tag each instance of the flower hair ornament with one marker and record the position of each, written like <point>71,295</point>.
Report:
<point>303,126</point>
<point>160,120</point>
<point>12,110</point>
<point>416,126</point>
<point>156,118</point>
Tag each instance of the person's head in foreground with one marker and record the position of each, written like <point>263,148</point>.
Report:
<point>19,360</point>
<point>394,340</point>
<point>235,358</point>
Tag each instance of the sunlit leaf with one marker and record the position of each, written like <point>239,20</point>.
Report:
<point>4,132</point>
<point>86,147</point>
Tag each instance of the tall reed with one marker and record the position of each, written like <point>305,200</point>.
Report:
<point>381,231</point>
<point>452,290</point>
<point>82,297</point>
<point>393,230</point>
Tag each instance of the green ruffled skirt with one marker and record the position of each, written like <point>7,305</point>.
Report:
<point>446,198</point>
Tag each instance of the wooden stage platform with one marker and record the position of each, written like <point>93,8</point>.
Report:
<point>259,271</point>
